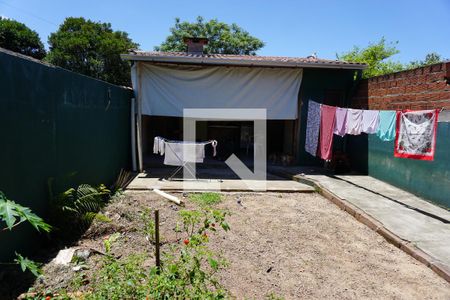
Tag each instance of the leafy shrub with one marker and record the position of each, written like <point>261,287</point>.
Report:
<point>79,206</point>
<point>187,272</point>
<point>14,214</point>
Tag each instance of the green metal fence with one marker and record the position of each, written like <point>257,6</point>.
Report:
<point>56,124</point>
<point>428,179</point>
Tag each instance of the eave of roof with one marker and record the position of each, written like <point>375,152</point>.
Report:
<point>240,60</point>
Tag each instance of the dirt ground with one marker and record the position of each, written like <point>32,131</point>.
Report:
<point>292,245</point>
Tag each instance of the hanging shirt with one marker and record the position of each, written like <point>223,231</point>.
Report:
<point>177,153</point>
<point>416,134</point>
<point>386,127</point>
<point>341,117</point>
<point>353,123</point>
<point>312,128</point>
<point>370,121</point>
<point>158,145</point>
<point>327,122</point>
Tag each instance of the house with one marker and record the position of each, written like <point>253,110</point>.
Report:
<point>167,82</point>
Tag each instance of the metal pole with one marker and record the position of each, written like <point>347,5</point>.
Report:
<point>133,134</point>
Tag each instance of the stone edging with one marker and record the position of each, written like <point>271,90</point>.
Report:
<point>407,247</point>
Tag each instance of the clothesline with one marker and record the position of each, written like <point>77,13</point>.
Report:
<point>414,132</point>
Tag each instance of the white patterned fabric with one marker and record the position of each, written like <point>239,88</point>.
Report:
<point>416,134</point>
<point>312,128</point>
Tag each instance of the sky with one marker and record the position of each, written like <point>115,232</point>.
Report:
<point>287,27</point>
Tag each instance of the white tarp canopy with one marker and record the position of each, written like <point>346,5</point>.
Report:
<point>165,90</point>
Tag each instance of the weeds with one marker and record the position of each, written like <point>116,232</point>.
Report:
<point>206,199</point>
<point>188,268</point>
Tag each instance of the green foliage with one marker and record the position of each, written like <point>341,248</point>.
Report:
<point>149,226</point>
<point>206,199</point>
<point>119,280</point>
<point>91,48</point>
<point>187,272</point>
<point>110,240</point>
<point>430,59</point>
<point>26,264</point>
<point>374,56</point>
<point>14,214</point>
<point>80,206</point>
<point>223,38</point>
<point>17,37</point>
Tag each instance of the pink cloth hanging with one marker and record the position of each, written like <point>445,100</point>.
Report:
<point>341,117</point>
<point>327,122</point>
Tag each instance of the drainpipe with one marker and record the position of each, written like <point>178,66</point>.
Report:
<point>133,135</point>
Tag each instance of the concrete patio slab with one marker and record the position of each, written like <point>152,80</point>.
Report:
<point>214,180</point>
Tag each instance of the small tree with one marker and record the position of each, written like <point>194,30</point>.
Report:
<point>223,38</point>
<point>13,214</point>
<point>91,48</point>
<point>430,59</point>
<point>375,56</point>
<point>17,37</point>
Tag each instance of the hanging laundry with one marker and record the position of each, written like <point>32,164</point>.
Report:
<point>416,134</point>
<point>312,128</point>
<point>158,145</point>
<point>353,123</point>
<point>327,122</point>
<point>386,126</point>
<point>341,117</point>
<point>177,153</point>
<point>370,121</point>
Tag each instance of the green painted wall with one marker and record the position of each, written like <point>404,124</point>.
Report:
<point>56,123</point>
<point>329,86</point>
<point>430,180</point>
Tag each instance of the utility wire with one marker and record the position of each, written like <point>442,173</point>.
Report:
<point>28,13</point>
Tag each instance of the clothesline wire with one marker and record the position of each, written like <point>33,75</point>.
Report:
<point>174,141</point>
<point>440,110</point>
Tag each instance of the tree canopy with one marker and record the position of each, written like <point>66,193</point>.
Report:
<point>377,55</point>
<point>91,48</point>
<point>17,37</point>
<point>223,38</point>
<point>430,59</point>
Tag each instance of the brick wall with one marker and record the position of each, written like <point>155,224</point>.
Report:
<point>421,88</point>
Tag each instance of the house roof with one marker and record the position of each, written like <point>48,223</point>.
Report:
<point>240,60</point>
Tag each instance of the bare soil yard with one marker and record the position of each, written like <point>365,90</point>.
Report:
<point>295,246</point>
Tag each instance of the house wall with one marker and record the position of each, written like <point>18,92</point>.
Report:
<point>328,86</point>
<point>56,124</point>
<point>422,88</point>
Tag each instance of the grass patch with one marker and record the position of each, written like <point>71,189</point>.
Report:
<point>206,199</point>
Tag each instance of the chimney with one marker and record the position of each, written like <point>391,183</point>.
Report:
<point>195,45</point>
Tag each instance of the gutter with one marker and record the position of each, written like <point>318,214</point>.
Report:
<point>242,63</point>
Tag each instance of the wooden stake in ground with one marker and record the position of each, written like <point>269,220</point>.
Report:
<point>157,254</point>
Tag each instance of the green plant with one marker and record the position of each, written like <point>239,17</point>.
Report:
<point>80,205</point>
<point>206,199</point>
<point>149,225</point>
<point>110,240</point>
<point>14,214</point>
<point>187,272</point>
